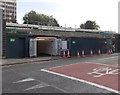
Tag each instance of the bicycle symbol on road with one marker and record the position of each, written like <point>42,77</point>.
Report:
<point>101,71</point>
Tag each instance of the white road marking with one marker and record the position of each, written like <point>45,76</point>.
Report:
<point>107,58</point>
<point>84,81</point>
<point>25,80</point>
<point>64,65</point>
<point>85,62</point>
<point>100,64</point>
<point>100,71</point>
<point>37,86</point>
<point>58,88</point>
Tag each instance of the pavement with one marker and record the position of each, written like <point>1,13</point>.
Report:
<point>13,61</point>
<point>4,62</point>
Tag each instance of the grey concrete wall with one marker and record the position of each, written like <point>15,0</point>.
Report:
<point>0,51</point>
<point>119,17</point>
<point>1,32</point>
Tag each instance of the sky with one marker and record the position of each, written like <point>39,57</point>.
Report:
<point>72,13</point>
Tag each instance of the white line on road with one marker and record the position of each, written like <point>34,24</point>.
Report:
<point>37,86</point>
<point>25,80</point>
<point>84,62</point>
<point>107,58</point>
<point>101,64</point>
<point>84,81</point>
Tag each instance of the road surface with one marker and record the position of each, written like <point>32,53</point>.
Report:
<point>97,74</point>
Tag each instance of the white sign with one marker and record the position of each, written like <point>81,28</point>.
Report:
<point>104,71</point>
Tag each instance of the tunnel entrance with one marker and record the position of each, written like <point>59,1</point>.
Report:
<point>44,46</point>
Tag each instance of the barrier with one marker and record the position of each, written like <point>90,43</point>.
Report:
<point>99,52</point>
<point>64,55</point>
<point>109,52</point>
<point>68,54</point>
<point>78,54</point>
<point>91,53</point>
<point>83,54</point>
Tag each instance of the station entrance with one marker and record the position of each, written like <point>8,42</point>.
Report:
<point>45,46</point>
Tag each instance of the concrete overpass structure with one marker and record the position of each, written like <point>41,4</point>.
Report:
<point>25,40</point>
<point>28,29</point>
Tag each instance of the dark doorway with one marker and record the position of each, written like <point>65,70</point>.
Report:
<point>15,47</point>
<point>21,48</point>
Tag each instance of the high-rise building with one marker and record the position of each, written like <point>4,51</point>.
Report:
<point>9,10</point>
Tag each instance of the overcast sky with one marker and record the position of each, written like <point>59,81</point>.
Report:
<point>74,12</point>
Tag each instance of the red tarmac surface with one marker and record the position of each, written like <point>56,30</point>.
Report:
<point>102,75</point>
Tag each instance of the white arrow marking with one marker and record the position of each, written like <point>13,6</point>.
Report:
<point>37,86</point>
<point>25,80</point>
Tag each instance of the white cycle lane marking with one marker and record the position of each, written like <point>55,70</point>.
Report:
<point>101,71</point>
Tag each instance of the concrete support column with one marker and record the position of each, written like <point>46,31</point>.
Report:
<point>1,30</point>
<point>118,38</point>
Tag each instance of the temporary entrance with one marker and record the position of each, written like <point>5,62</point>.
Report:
<point>41,46</point>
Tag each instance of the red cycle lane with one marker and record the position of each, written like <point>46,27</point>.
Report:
<point>95,74</point>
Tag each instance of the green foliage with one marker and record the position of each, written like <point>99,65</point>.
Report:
<point>13,20</point>
<point>39,19</point>
<point>90,25</point>
<point>82,26</point>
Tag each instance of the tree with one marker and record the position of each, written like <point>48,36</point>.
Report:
<point>13,20</point>
<point>82,26</point>
<point>96,26</point>
<point>90,25</point>
<point>39,19</point>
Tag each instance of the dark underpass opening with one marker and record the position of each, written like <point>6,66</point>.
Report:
<point>46,46</point>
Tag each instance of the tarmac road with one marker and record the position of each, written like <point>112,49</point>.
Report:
<point>28,78</point>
